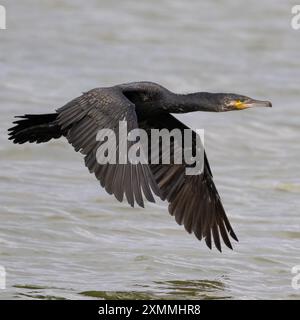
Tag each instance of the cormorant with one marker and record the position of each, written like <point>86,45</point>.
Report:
<point>193,199</point>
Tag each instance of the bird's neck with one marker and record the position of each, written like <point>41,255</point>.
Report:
<point>199,101</point>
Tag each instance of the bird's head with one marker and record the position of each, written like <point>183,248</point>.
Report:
<point>231,101</point>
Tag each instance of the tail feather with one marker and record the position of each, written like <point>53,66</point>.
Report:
<point>35,128</point>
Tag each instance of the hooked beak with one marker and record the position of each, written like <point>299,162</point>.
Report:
<point>253,103</point>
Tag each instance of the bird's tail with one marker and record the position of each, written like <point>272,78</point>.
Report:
<point>35,128</point>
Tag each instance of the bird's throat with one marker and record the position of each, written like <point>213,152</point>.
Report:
<point>199,101</point>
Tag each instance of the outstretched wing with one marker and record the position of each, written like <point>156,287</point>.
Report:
<point>83,117</point>
<point>193,199</point>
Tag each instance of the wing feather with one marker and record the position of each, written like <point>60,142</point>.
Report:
<point>193,199</point>
<point>103,108</point>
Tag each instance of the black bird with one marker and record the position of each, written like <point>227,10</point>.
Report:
<point>193,199</point>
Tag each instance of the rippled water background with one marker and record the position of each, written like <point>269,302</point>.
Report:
<point>61,236</point>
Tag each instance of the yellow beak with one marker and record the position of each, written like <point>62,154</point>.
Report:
<point>239,105</point>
